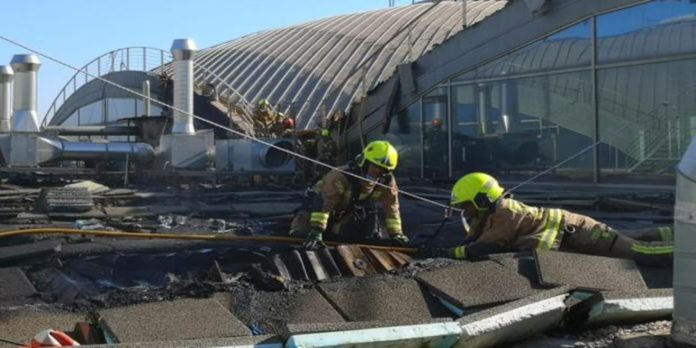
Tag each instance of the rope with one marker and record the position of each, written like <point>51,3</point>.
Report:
<point>241,134</point>
<point>188,237</point>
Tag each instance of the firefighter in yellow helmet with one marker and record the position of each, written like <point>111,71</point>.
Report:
<point>342,206</point>
<point>495,222</point>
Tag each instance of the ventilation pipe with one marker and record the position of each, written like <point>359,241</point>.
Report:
<point>6,76</point>
<point>684,315</point>
<point>146,98</point>
<point>26,67</point>
<point>183,51</point>
<point>508,106</point>
<point>484,107</point>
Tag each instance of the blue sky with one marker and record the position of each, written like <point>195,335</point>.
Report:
<point>77,31</point>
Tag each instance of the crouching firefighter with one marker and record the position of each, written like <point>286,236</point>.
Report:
<point>496,223</point>
<point>342,206</point>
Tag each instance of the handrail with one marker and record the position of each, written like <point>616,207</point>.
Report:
<point>136,58</point>
<point>127,58</point>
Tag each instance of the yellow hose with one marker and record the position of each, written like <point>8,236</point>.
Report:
<point>201,237</point>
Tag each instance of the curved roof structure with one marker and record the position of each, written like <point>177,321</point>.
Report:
<point>312,69</point>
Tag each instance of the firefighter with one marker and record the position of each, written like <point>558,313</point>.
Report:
<point>343,206</point>
<point>496,223</point>
<point>264,117</point>
<point>326,151</point>
<point>282,126</point>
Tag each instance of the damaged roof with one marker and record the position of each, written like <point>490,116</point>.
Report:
<point>309,69</point>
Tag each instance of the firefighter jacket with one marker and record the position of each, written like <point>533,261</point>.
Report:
<point>513,226</point>
<point>335,195</point>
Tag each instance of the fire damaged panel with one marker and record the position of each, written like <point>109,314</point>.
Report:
<point>587,271</point>
<point>474,284</point>
<point>167,321</point>
<point>382,298</point>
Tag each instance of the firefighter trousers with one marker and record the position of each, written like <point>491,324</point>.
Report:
<point>650,246</point>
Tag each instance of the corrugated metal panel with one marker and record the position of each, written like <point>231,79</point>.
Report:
<point>302,69</point>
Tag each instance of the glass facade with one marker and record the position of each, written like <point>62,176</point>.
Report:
<point>535,109</point>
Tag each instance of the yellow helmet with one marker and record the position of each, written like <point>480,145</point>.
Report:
<point>380,153</point>
<point>478,188</point>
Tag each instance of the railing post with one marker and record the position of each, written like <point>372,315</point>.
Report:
<point>161,62</point>
<point>144,59</point>
<point>127,59</point>
<point>641,144</point>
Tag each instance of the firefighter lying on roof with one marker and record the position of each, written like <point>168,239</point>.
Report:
<point>497,223</point>
<point>343,206</point>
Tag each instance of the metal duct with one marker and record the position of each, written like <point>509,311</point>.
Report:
<point>484,106</point>
<point>684,315</point>
<point>272,158</point>
<point>508,106</point>
<point>26,67</point>
<point>91,130</point>
<point>6,76</point>
<point>183,51</point>
<point>81,151</point>
<point>146,99</point>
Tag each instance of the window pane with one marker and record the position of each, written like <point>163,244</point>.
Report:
<point>121,108</point>
<point>435,138</point>
<point>91,114</point>
<point>647,115</point>
<point>650,30</point>
<point>566,49</point>
<point>405,135</point>
<point>518,127</point>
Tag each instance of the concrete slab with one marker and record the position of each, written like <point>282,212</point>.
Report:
<point>171,320</point>
<point>471,285</point>
<point>382,298</point>
<point>22,323</point>
<point>297,329</point>
<point>270,312</point>
<point>15,288</point>
<point>587,271</point>
<point>264,341</point>
<point>28,250</point>
<point>426,335</point>
<point>621,307</point>
<point>514,321</point>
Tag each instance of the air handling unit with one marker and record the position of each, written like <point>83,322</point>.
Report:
<point>185,148</point>
<point>240,156</point>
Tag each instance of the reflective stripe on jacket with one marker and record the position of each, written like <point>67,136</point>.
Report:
<point>335,193</point>
<point>515,226</point>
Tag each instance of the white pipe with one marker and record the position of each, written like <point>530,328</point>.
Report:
<point>146,98</point>
<point>183,51</point>
<point>684,316</point>
<point>26,68</point>
<point>6,77</point>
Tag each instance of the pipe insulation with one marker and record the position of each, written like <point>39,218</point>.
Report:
<point>80,151</point>
<point>183,51</point>
<point>26,68</point>
<point>6,77</point>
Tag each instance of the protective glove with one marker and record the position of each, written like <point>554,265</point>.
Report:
<point>314,240</point>
<point>430,252</point>
<point>400,239</point>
